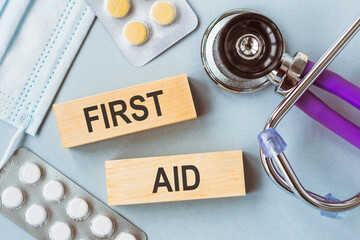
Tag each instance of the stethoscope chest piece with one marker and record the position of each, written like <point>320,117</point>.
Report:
<point>240,48</point>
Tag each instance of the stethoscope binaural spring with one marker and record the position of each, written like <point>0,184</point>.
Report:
<point>243,51</point>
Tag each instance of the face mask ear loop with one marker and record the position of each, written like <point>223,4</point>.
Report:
<point>12,143</point>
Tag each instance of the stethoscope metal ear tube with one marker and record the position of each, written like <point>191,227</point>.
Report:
<point>277,166</point>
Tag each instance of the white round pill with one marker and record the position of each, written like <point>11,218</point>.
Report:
<point>36,215</point>
<point>77,209</point>
<point>102,226</point>
<point>30,173</point>
<point>60,231</point>
<point>53,191</point>
<point>12,197</point>
<point>125,236</point>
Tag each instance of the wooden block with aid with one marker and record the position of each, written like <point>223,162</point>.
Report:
<point>175,178</point>
<point>125,111</point>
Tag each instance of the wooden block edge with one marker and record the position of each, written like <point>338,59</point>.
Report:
<point>126,88</point>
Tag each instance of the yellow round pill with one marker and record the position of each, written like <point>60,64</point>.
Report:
<point>136,32</point>
<point>163,12</point>
<point>118,8</point>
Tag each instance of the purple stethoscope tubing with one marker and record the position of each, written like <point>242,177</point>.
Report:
<point>314,107</point>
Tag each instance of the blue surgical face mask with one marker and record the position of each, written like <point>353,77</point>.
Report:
<point>38,42</point>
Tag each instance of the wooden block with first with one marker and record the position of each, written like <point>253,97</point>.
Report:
<point>175,178</point>
<point>125,111</point>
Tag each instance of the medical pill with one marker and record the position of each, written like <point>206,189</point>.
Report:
<point>125,236</point>
<point>53,191</point>
<point>118,8</point>
<point>136,32</point>
<point>77,209</point>
<point>36,215</point>
<point>30,173</point>
<point>12,197</point>
<point>102,226</point>
<point>60,231</point>
<point>163,12</point>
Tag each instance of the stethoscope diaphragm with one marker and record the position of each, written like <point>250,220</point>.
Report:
<point>239,48</point>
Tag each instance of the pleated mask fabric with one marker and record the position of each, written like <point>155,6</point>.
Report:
<point>47,36</point>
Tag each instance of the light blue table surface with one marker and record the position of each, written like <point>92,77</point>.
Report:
<point>227,121</point>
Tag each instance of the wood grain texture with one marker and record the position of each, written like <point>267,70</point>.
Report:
<point>131,181</point>
<point>175,102</point>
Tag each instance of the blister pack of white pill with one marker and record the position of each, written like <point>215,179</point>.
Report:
<point>48,205</point>
<point>144,29</point>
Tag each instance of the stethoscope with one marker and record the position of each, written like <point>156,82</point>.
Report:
<point>243,51</point>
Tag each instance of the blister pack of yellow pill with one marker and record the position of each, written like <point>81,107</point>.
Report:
<point>143,29</point>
